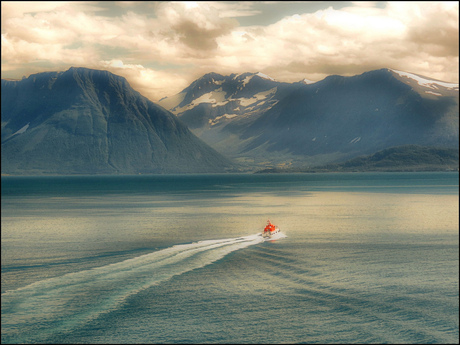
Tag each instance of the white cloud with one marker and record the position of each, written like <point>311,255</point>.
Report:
<point>153,84</point>
<point>234,9</point>
<point>186,39</point>
<point>351,40</point>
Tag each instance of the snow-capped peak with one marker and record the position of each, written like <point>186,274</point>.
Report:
<point>264,76</point>
<point>306,81</point>
<point>250,75</point>
<point>429,83</point>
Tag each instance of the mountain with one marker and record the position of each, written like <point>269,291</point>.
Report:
<point>400,158</point>
<point>213,101</point>
<point>262,122</point>
<point>85,121</point>
<point>216,107</point>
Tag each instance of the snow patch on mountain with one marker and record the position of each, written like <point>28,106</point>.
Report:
<point>355,140</point>
<point>429,83</point>
<point>213,122</point>
<point>22,130</point>
<point>306,81</point>
<point>246,80</point>
<point>264,76</point>
<point>261,75</point>
<point>433,93</point>
<point>217,98</point>
<point>257,97</point>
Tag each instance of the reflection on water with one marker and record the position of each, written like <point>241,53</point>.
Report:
<point>365,260</point>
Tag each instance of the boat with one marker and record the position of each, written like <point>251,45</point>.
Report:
<point>270,230</point>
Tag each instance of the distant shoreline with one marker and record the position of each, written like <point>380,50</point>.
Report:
<point>264,171</point>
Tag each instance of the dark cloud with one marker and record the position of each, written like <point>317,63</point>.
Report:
<point>199,37</point>
<point>438,40</point>
<point>196,26</point>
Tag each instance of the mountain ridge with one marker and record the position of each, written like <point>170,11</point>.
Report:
<point>92,121</point>
<point>321,122</point>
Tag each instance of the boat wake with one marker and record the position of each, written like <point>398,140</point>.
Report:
<point>274,237</point>
<point>67,302</point>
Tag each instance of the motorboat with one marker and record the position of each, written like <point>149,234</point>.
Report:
<point>270,230</point>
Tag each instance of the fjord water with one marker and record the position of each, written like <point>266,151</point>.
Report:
<point>368,258</point>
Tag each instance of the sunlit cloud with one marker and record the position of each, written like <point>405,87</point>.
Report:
<point>149,82</point>
<point>161,47</point>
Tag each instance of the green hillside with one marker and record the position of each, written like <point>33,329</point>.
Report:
<point>400,158</point>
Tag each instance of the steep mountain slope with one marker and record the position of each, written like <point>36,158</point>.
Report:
<point>90,121</point>
<point>309,123</point>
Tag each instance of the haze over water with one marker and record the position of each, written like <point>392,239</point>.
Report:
<point>368,258</point>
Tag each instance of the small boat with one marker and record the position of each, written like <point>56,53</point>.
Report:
<point>270,230</point>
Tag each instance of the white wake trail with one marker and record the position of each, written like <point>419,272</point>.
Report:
<point>66,302</point>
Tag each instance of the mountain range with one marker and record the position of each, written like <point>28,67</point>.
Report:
<point>84,121</point>
<point>260,122</point>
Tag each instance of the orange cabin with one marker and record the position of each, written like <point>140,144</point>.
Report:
<point>269,227</point>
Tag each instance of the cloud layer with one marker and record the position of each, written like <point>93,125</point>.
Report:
<point>161,47</point>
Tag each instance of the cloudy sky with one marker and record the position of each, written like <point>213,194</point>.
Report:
<point>161,47</point>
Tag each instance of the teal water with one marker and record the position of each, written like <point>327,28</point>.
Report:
<point>368,258</point>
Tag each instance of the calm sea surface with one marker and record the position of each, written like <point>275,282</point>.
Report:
<point>368,258</point>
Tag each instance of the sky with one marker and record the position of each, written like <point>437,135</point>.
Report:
<point>160,47</point>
